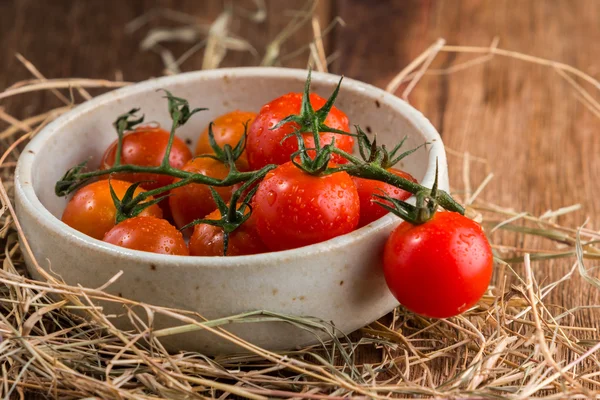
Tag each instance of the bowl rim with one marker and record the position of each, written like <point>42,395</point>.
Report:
<point>32,205</point>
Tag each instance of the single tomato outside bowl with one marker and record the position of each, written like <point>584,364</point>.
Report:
<point>339,280</point>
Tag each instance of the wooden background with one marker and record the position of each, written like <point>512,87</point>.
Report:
<point>541,143</point>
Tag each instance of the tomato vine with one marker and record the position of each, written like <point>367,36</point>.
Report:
<point>372,164</point>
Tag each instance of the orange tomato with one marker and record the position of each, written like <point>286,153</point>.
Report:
<point>92,211</point>
<point>227,129</point>
<point>195,200</point>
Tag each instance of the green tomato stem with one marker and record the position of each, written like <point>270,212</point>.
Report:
<point>118,151</point>
<point>374,171</point>
<point>165,161</point>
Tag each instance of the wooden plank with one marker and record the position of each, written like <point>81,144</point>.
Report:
<point>88,39</point>
<point>524,119</point>
<point>85,39</point>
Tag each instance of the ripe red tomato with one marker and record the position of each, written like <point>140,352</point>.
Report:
<point>207,240</point>
<point>148,234</point>
<point>371,211</point>
<point>295,209</point>
<point>265,146</point>
<point>146,146</point>
<point>227,129</point>
<point>195,200</point>
<point>440,268</point>
<point>92,211</point>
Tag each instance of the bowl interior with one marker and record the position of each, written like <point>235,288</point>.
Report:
<point>85,134</point>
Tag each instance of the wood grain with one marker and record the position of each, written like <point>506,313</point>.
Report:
<point>541,143</point>
<point>68,38</point>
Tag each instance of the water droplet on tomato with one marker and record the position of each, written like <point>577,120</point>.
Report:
<point>465,238</point>
<point>271,197</point>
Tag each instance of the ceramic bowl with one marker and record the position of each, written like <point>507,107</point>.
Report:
<point>338,281</point>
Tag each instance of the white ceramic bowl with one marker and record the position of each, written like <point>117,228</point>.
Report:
<point>339,280</point>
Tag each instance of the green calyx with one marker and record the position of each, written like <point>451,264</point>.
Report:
<point>125,208</point>
<point>233,215</point>
<point>225,153</point>
<point>312,121</point>
<point>71,180</point>
<point>314,166</point>
<point>424,208</point>
<point>372,153</point>
<point>179,110</point>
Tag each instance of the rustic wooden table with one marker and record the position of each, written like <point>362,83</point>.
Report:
<point>540,142</point>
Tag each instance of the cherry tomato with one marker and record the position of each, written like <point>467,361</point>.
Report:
<point>207,240</point>
<point>295,209</point>
<point>440,268</point>
<point>371,211</point>
<point>150,234</point>
<point>195,200</point>
<point>146,146</point>
<point>92,211</point>
<point>227,129</point>
<point>265,146</point>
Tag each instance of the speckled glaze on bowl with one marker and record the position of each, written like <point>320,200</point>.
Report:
<point>339,280</point>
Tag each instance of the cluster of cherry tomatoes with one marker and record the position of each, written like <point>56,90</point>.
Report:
<point>293,203</point>
<point>290,209</point>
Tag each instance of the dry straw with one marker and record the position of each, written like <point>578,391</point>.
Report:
<point>512,345</point>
